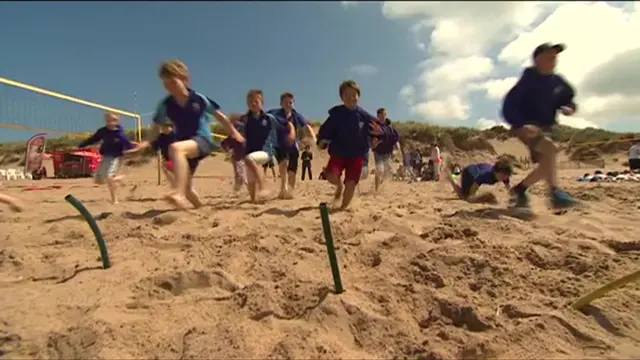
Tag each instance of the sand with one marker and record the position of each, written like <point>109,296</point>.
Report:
<point>426,277</point>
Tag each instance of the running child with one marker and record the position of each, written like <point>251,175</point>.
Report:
<point>476,175</point>
<point>261,138</point>
<point>383,150</point>
<point>347,133</point>
<point>114,145</point>
<point>287,155</point>
<point>306,158</point>
<point>237,154</point>
<point>188,111</point>
<point>531,107</point>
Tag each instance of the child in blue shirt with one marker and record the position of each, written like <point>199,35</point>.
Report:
<point>261,134</point>
<point>189,112</point>
<point>114,145</point>
<point>476,175</point>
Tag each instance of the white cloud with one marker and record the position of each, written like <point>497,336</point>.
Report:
<point>407,94</point>
<point>459,39</point>
<point>348,4</point>
<point>601,59</point>
<point>495,89</point>
<point>364,69</point>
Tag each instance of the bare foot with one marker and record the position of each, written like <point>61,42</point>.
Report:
<point>285,194</point>
<point>264,193</point>
<point>337,198</point>
<point>176,200</point>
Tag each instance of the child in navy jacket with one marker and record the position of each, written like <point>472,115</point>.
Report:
<point>114,145</point>
<point>347,133</point>
<point>530,107</point>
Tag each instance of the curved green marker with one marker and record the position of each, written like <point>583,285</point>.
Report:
<point>104,254</point>
<point>328,239</point>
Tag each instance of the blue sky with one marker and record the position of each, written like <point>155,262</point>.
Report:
<point>104,52</point>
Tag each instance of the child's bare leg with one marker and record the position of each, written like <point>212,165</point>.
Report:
<point>349,192</point>
<point>192,195</point>
<point>14,204</point>
<point>548,161</point>
<point>112,185</point>
<point>456,188</point>
<point>251,186</point>
<point>282,169</point>
<point>180,152</point>
<point>169,175</point>
<point>257,178</point>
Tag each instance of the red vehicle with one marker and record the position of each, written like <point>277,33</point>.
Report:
<point>75,164</point>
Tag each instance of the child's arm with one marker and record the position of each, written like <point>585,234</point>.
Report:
<point>96,137</point>
<point>213,109</point>
<point>292,132</point>
<point>326,132</point>
<point>303,123</point>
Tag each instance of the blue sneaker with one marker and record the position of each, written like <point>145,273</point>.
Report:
<point>520,201</point>
<point>562,200</point>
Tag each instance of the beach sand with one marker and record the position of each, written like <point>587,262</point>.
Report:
<point>426,276</point>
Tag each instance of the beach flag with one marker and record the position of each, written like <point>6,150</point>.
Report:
<point>34,153</point>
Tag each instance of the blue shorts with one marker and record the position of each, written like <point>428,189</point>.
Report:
<point>205,148</point>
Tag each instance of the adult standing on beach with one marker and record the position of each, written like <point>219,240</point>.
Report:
<point>634,157</point>
<point>436,159</point>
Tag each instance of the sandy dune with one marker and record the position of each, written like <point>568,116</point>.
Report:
<point>426,277</point>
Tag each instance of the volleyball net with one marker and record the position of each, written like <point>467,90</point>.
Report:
<point>33,109</point>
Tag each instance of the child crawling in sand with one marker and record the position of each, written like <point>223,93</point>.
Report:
<point>476,175</point>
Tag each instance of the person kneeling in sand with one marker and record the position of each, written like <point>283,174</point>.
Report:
<point>476,175</point>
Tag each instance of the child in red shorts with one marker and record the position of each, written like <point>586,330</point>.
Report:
<point>347,133</point>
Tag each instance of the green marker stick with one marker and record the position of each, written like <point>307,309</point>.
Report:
<point>328,239</point>
<point>104,254</point>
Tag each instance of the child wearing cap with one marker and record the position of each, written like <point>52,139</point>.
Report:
<point>531,107</point>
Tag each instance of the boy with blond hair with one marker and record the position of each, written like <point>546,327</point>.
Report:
<point>347,133</point>
<point>114,145</point>
<point>189,112</point>
<point>261,133</point>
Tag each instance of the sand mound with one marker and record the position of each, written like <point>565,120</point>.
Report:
<point>426,277</point>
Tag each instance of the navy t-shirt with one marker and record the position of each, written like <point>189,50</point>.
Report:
<point>283,130</point>
<point>189,120</point>
<point>482,174</point>
<point>260,133</point>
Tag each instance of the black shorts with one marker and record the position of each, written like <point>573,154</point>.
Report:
<point>634,164</point>
<point>292,156</point>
